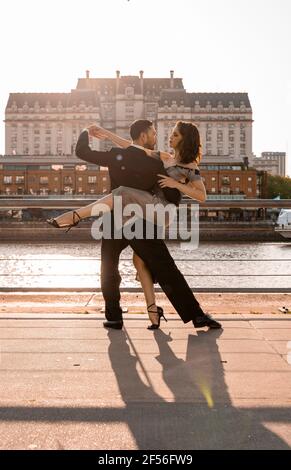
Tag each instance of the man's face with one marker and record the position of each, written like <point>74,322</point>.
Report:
<point>150,138</point>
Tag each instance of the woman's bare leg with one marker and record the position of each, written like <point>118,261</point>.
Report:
<point>104,204</point>
<point>147,286</point>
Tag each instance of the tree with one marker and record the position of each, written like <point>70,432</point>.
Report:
<point>278,186</point>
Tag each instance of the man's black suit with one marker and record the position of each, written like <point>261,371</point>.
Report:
<point>132,167</point>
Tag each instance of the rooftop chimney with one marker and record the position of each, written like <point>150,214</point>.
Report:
<point>87,73</point>
<point>141,80</point>
<point>117,80</point>
<point>172,78</point>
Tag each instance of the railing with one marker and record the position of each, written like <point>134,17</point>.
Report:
<point>70,202</point>
<point>225,289</point>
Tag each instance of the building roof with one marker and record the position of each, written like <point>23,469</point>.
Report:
<point>163,83</point>
<point>219,98</point>
<point>179,96</point>
<point>97,84</point>
<point>66,100</point>
<point>109,84</point>
<point>89,91</point>
<point>214,99</point>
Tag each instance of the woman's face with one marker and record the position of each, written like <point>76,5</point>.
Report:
<point>175,138</point>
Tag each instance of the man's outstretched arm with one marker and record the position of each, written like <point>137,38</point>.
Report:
<point>84,152</point>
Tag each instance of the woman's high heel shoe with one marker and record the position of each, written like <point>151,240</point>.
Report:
<point>159,313</point>
<point>76,220</point>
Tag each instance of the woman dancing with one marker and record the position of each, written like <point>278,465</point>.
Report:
<point>183,174</point>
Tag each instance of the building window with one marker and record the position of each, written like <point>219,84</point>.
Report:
<point>250,190</point>
<point>219,136</point>
<point>225,180</point>
<point>43,179</point>
<point>7,180</point>
<point>92,180</point>
<point>250,178</point>
<point>225,190</point>
<point>213,190</point>
<point>68,189</point>
<point>19,179</point>
<point>213,178</point>
<point>237,178</point>
<point>43,191</point>
<point>237,190</point>
<point>68,180</point>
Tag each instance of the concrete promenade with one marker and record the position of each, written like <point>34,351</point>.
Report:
<point>67,383</point>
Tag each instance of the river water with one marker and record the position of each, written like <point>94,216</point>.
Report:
<point>210,265</point>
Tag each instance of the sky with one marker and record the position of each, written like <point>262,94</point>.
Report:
<point>215,46</point>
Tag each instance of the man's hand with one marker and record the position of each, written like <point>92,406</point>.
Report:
<point>97,132</point>
<point>167,182</point>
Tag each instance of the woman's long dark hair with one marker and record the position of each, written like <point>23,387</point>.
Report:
<point>190,147</point>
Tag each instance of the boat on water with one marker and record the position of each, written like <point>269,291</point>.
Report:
<point>284,223</point>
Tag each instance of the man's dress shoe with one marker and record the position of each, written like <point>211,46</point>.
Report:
<point>116,325</point>
<point>206,320</point>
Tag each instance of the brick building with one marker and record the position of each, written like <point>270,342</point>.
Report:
<point>54,176</point>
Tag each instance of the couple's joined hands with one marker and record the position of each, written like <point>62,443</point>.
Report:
<point>98,132</point>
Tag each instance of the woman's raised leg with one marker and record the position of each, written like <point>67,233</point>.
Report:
<point>95,209</point>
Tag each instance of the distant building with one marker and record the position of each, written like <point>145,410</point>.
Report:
<point>51,176</point>
<point>49,123</point>
<point>273,163</point>
<point>42,130</point>
<point>54,175</point>
<point>230,181</point>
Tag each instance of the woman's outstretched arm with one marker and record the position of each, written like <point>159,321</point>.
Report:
<point>101,133</point>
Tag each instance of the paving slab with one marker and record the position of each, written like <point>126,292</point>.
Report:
<point>68,383</point>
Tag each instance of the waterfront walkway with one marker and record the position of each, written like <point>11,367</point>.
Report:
<point>67,383</point>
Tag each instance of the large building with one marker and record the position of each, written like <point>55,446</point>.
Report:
<point>42,130</point>
<point>273,163</point>
<point>49,123</point>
